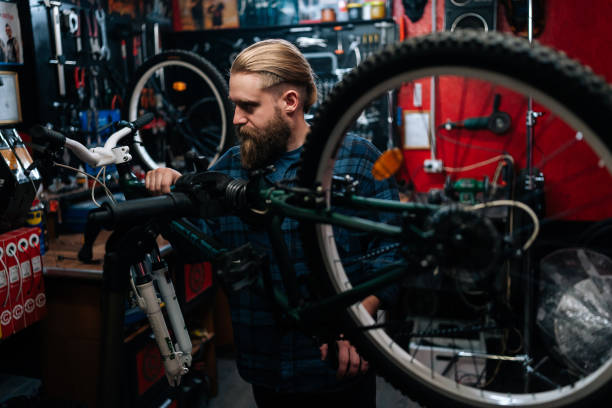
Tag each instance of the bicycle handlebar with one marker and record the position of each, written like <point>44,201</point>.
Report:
<point>143,120</point>
<point>140,210</point>
<point>100,155</point>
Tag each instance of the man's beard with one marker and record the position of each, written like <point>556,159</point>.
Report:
<point>262,147</point>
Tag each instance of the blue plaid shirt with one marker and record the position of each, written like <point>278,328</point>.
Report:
<point>268,355</point>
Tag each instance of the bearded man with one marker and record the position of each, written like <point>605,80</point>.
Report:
<point>272,86</point>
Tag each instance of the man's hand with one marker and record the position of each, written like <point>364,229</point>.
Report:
<point>350,363</point>
<point>160,180</point>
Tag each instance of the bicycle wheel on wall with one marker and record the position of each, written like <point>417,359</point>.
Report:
<point>189,98</point>
<point>465,330</point>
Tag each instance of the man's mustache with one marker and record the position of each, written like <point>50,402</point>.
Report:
<point>245,133</point>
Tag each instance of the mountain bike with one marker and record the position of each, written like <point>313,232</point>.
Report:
<point>493,315</point>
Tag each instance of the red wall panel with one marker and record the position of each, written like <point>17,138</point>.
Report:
<point>573,179</point>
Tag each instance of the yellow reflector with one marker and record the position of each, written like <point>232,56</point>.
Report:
<point>388,164</point>
<point>179,86</point>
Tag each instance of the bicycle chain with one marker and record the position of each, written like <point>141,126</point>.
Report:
<point>377,252</point>
<point>431,333</point>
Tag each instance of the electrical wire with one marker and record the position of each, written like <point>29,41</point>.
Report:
<point>20,275</point>
<point>93,187</point>
<point>8,282</point>
<point>458,143</point>
<point>513,203</point>
<point>28,265</point>
<point>498,169</point>
<point>103,184</point>
<point>479,164</point>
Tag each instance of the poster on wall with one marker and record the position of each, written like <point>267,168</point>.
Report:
<point>191,15</point>
<point>10,104</point>
<point>416,129</point>
<point>156,8</point>
<point>207,14</point>
<point>11,51</point>
<point>220,14</point>
<point>122,7</point>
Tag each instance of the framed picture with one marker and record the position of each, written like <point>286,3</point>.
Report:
<point>122,7</point>
<point>206,14</point>
<point>220,14</point>
<point>10,102</point>
<point>11,51</point>
<point>416,129</point>
<point>191,15</point>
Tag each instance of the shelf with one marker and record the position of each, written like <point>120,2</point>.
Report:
<point>61,260</point>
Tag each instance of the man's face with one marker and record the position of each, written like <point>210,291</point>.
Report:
<point>9,32</point>
<point>260,125</point>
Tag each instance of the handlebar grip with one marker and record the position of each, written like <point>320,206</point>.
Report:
<point>137,211</point>
<point>143,120</point>
<point>42,134</point>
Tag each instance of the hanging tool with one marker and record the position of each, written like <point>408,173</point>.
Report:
<point>79,83</point>
<point>77,33</point>
<point>93,100</point>
<point>143,40</point>
<point>108,92</point>
<point>60,59</point>
<point>105,52</point>
<point>498,122</point>
<point>71,20</point>
<point>156,39</point>
<point>136,52</point>
<point>92,33</point>
<point>126,72</point>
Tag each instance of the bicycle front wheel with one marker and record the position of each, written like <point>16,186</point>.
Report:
<point>465,335</point>
<point>189,99</point>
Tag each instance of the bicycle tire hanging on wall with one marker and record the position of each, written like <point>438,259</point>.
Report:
<point>189,98</point>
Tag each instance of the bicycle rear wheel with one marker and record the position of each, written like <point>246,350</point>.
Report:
<point>189,98</point>
<point>465,334</point>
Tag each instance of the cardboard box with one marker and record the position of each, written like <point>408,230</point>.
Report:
<point>15,282</point>
<point>23,251</point>
<point>6,317</point>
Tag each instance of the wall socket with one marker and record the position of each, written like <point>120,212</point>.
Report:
<point>433,166</point>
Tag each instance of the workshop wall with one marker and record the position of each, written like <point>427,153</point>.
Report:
<point>571,26</point>
<point>102,43</point>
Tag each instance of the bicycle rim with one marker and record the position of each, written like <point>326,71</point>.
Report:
<point>192,112</point>
<point>509,67</point>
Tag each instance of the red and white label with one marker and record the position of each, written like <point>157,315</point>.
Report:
<point>14,274</point>
<point>41,299</point>
<point>29,306</point>
<point>18,312</point>
<point>25,270</point>
<point>36,265</point>
<point>5,317</point>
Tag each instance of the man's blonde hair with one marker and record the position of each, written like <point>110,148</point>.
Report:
<point>278,61</point>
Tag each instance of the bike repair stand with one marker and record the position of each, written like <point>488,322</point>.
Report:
<point>533,183</point>
<point>125,247</point>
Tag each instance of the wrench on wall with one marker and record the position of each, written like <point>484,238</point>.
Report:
<point>105,52</point>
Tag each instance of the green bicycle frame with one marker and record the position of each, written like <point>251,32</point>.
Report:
<point>278,203</point>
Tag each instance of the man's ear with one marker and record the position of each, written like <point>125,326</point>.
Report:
<point>291,100</point>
